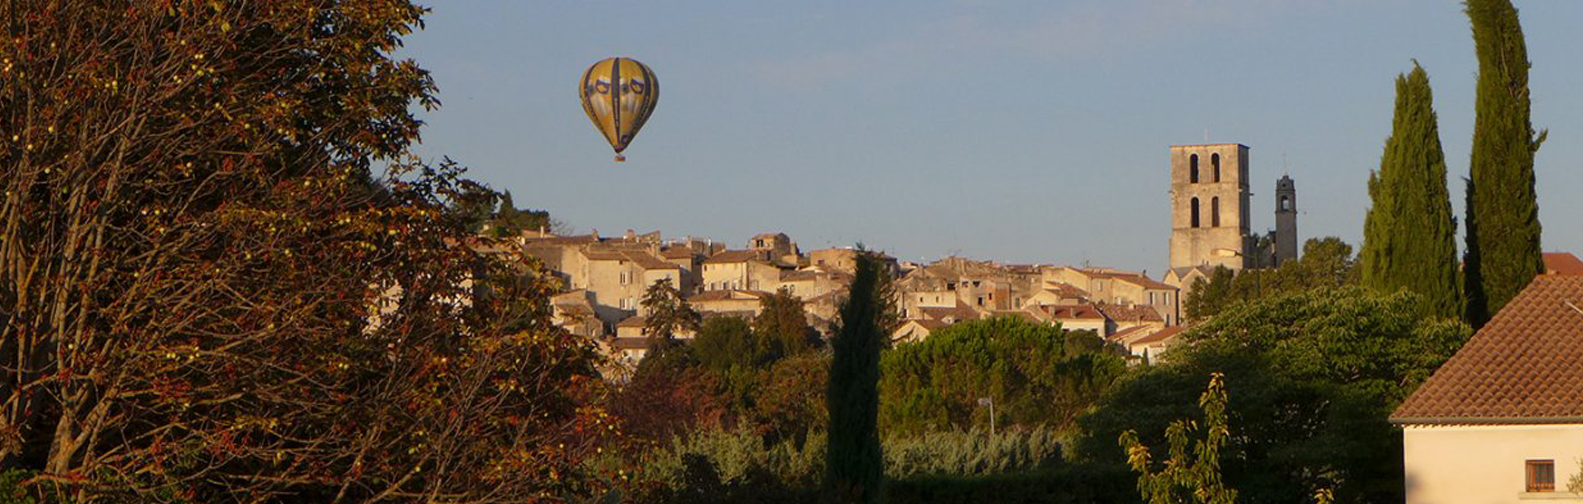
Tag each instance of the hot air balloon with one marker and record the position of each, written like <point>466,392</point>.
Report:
<point>618,95</point>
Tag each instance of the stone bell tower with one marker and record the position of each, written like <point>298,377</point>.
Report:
<point>1209,206</point>
<point>1285,220</point>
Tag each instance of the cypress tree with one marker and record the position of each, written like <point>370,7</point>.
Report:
<point>854,464</point>
<point>1503,213</point>
<point>1409,234</point>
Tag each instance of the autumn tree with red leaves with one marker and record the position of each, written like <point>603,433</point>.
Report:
<point>224,277</point>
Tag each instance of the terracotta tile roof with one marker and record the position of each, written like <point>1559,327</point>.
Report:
<point>928,324</point>
<point>1131,313</point>
<point>630,343</point>
<point>633,321</point>
<point>1524,366</point>
<point>642,259</point>
<point>798,275</point>
<point>1562,263</point>
<point>1144,282</point>
<point>1073,312</point>
<point>1182,272</point>
<point>677,253</point>
<point>956,313</point>
<point>1124,334</point>
<point>1065,289</point>
<point>561,240</point>
<point>722,295</point>
<point>736,256</point>
<point>1160,336</point>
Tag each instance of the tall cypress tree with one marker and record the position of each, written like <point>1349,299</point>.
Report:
<point>1409,234</point>
<point>854,464</point>
<point>1503,213</point>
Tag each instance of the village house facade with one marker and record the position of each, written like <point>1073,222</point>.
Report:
<point>1502,420</point>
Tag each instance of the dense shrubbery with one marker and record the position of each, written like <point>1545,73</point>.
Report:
<point>739,466</point>
<point>1062,485</point>
<point>1037,374</point>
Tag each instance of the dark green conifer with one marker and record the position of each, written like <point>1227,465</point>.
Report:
<point>1503,214</point>
<point>1409,234</point>
<point>854,464</point>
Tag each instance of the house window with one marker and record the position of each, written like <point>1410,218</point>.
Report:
<point>1195,212</point>
<point>1192,170</point>
<point>623,278</point>
<point>1541,476</point>
<point>1214,211</point>
<point>623,303</point>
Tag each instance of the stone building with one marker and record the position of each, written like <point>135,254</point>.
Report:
<point>1209,206</point>
<point>1210,215</point>
<point>1285,220</point>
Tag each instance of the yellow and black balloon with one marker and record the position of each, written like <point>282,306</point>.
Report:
<point>618,95</point>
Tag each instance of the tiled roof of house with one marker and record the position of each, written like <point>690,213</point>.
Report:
<point>1073,312</point>
<point>1128,333</point>
<point>629,343</point>
<point>798,275</point>
<point>1065,289</point>
<point>927,323</point>
<point>642,259</point>
<point>736,256</point>
<point>561,240</point>
<point>956,313</point>
<point>1562,263</point>
<point>1524,366</point>
<point>722,295</point>
<point>1160,336</point>
<point>633,321</point>
<point>1182,272</point>
<point>676,253</point>
<point>1144,282</point>
<point>1130,313</point>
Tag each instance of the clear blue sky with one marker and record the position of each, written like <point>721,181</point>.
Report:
<point>1020,131</point>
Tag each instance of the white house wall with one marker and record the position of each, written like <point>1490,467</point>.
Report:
<point>1485,464</point>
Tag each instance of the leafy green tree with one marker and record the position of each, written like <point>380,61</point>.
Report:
<point>666,313</point>
<point>1503,229</point>
<point>854,464</point>
<point>1186,479</point>
<point>1037,374</point>
<point>1326,262</point>
<point>1316,375</point>
<point>726,342</point>
<point>1212,293</point>
<point>781,318</point>
<point>1410,234</point>
<point>511,221</point>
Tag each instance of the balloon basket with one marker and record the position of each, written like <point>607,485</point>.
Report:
<point>620,158</point>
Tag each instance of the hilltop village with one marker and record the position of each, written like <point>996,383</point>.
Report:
<point>604,277</point>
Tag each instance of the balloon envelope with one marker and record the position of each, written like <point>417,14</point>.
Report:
<point>619,94</point>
